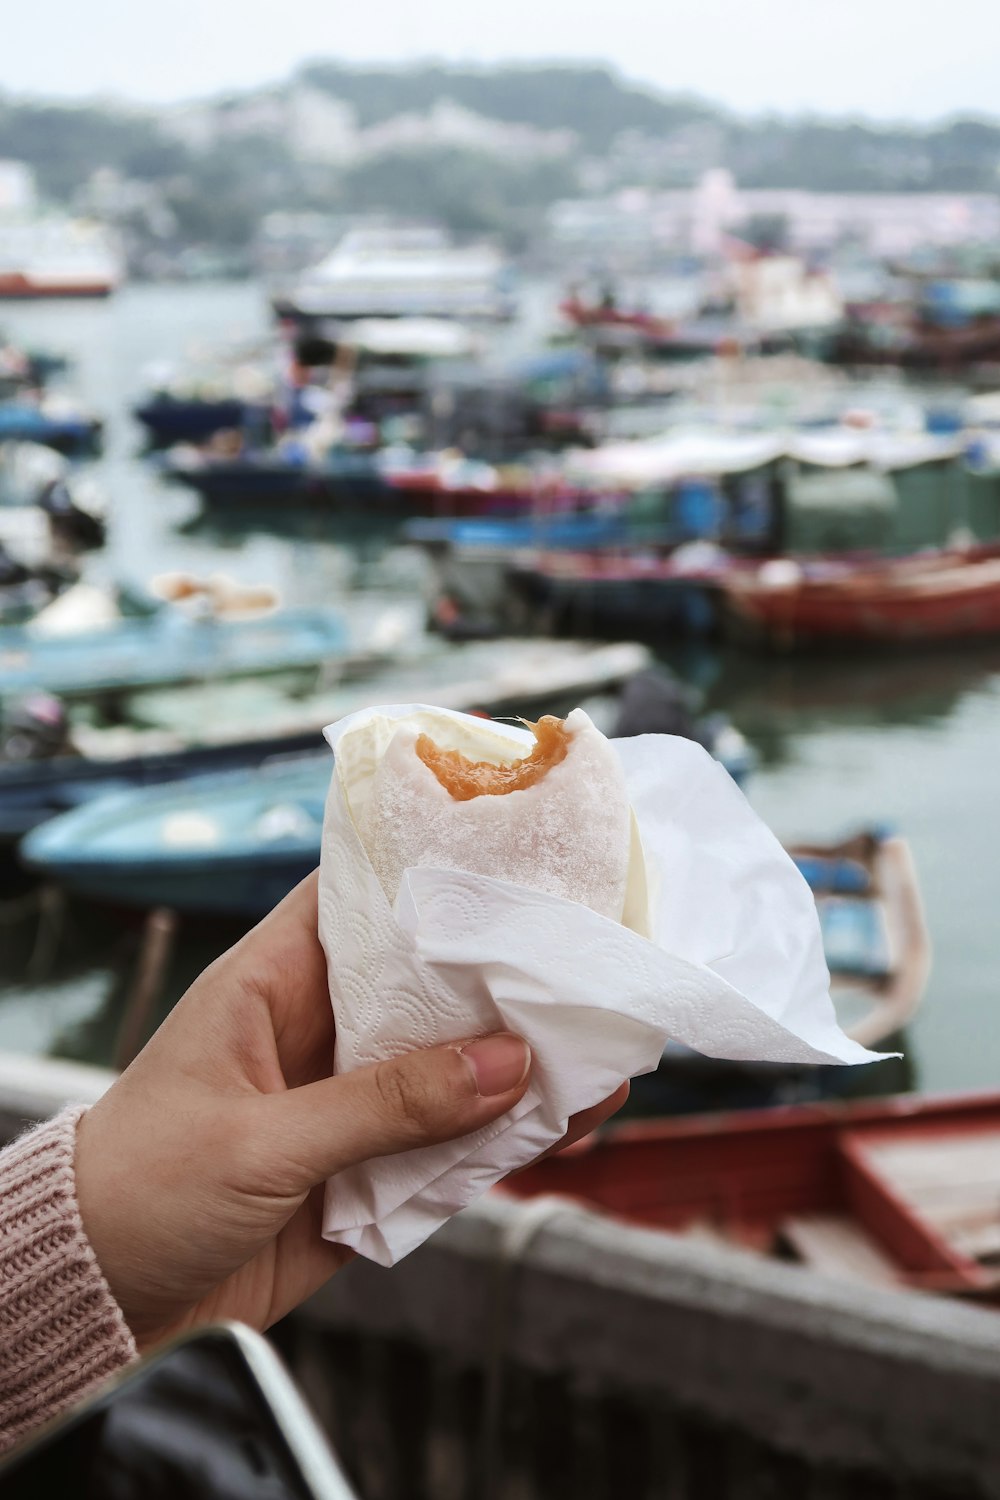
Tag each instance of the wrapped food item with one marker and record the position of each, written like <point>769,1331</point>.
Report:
<point>595,897</point>
<point>555,819</point>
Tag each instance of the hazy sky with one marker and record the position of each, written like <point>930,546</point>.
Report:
<point>888,58</point>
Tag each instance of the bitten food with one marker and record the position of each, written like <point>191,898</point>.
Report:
<point>555,819</point>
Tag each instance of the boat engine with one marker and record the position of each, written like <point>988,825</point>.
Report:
<point>35,727</point>
<point>78,526</point>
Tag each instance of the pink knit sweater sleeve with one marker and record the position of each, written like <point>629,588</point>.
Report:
<point>61,1332</point>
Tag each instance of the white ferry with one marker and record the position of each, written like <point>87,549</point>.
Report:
<point>57,257</point>
<point>410,272</point>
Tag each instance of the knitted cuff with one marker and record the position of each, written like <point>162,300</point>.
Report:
<point>61,1331</point>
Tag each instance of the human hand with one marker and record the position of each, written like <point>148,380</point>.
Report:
<point>200,1172</point>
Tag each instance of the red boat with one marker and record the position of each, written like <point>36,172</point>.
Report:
<point>17,286</point>
<point>435,494</point>
<point>607,317</point>
<point>948,595</point>
<point>899,1191</point>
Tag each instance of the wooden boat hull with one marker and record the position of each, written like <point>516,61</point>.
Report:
<point>16,286</point>
<point>914,601</point>
<point>898,1191</point>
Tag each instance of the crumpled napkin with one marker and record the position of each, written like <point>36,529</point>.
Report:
<point>732,966</point>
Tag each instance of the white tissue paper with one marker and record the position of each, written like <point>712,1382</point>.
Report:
<point>722,952</point>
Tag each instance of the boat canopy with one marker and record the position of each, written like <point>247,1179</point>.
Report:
<point>664,459</point>
<point>417,338</point>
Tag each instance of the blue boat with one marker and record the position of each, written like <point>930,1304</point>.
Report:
<point>73,434</point>
<point>46,777</point>
<point>223,844</point>
<point>233,843</point>
<point>164,648</point>
<point>576,532</point>
<point>33,791</point>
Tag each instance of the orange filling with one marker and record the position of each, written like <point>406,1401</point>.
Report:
<point>466,779</point>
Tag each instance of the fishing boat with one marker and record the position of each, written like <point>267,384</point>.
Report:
<point>608,318</point>
<point>352,484</point>
<point>451,485</point>
<point>182,733</point>
<point>55,424</point>
<point>877,948</point>
<point>338,481</point>
<point>167,646</point>
<point>898,1192</point>
<point>931,597</point>
<point>170,418</point>
<point>234,843</point>
<point>503,534</point>
<point>638,594</point>
<point>24,369</point>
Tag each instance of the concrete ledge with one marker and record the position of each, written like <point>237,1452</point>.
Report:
<point>886,1382</point>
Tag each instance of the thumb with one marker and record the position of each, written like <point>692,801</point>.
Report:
<point>417,1099</point>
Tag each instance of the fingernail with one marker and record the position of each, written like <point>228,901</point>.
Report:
<point>499,1063</point>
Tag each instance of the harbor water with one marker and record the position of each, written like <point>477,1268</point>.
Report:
<point>910,741</point>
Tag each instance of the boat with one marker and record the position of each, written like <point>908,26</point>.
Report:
<point>448,484</point>
<point>170,418</point>
<point>24,369</point>
<point>235,392</point>
<point>57,257</point>
<point>353,484</point>
<point>402,272</point>
<point>896,1192</point>
<point>54,423</point>
<point>277,478</point>
<point>878,951</point>
<point>791,605</point>
<point>167,646</point>
<point>183,733</point>
<point>233,843</point>
<point>639,593</point>
<point>582,532</point>
<point>608,319</point>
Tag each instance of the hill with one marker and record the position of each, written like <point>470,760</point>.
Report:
<point>482,149</point>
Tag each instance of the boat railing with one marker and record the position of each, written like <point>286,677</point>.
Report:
<point>536,1349</point>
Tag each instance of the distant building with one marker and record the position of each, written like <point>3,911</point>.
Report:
<point>700,219</point>
<point>447,124</point>
<point>319,127</point>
